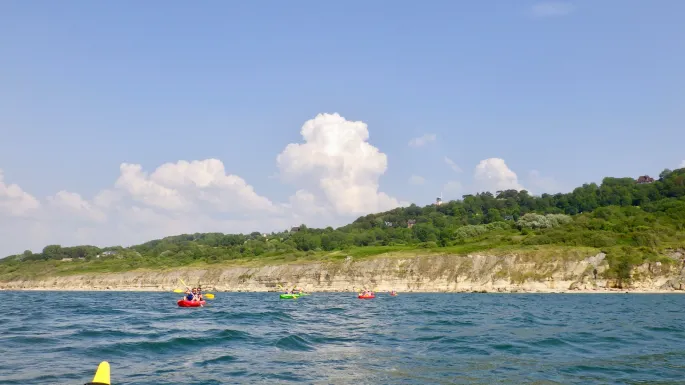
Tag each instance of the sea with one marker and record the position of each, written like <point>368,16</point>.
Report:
<point>335,338</point>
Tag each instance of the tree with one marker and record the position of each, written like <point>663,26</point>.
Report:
<point>493,216</point>
<point>664,174</point>
<point>52,252</point>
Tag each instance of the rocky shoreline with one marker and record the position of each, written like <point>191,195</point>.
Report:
<point>499,291</point>
<point>420,274</point>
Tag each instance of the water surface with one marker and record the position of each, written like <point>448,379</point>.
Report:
<point>240,338</point>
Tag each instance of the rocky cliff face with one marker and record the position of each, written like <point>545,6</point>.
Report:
<point>441,273</point>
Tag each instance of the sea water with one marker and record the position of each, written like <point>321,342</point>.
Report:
<point>252,338</point>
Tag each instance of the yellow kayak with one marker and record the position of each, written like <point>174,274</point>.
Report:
<point>101,375</point>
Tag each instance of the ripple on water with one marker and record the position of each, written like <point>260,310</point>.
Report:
<point>335,338</point>
<point>294,342</point>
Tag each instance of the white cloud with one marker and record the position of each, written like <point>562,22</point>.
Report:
<point>14,201</point>
<point>190,187</point>
<point>126,214</point>
<point>551,9</point>
<point>336,172</point>
<point>337,161</point>
<point>493,175</point>
<point>422,140</point>
<point>542,184</point>
<point>682,164</point>
<point>72,204</point>
<point>452,165</point>
<point>416,180</point>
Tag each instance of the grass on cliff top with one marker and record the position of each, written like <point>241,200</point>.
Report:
<point>495,243</point>
<point>42,269</point>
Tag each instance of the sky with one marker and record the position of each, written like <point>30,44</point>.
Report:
<point>126,121</point>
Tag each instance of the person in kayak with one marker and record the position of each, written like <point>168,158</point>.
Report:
<point>199,293</point>
<point>189,294</point>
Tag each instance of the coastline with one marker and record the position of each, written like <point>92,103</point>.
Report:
<point>475,273</point>
<point>513,291</point>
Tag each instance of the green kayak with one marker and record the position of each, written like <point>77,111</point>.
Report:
<point>289,296</point>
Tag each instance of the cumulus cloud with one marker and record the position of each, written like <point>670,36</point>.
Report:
<point>551,9</point>
<point>188,186</point>
<point>452,165</point>
<point>422,140</point>
<point>73,204</point>
<point>337,161</point>
<point>127,214</point>
<point>335,169</point>
<point>416,180</point>
<point>493,175</point>
<point>14,201</point>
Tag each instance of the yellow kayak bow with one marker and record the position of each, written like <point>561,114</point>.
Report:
<point>101,375</point>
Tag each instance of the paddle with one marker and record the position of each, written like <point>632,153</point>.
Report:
<point>295,295</point>
<point>206,295</point>
<point>184,284</point>
<point>360,291</point>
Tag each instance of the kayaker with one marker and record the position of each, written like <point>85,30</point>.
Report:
<point>199,293</point>
<point>189,294</point>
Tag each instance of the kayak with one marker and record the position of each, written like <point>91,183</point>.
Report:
<point>101,375</point>
<point>366,296</point>
<point>393,295</point>
<point>289,296</point>
<point>186,303</point>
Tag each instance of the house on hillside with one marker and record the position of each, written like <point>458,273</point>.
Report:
<point>645,179</point>
<point>389,224</point>
<point>295,229</point>
<point>411,223</point>
<point>107,253</point>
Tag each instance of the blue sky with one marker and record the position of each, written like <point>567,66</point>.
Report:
<point>576,90</point>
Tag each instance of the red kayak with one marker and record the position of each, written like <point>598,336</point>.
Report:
<point>366,296</point>
<point>186,303</point>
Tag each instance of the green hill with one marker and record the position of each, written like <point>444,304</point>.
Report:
<point>630,220</point>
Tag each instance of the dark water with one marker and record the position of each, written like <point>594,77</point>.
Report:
<point>59,338</point>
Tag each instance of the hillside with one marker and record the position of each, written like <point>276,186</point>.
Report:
<point>630,221</point>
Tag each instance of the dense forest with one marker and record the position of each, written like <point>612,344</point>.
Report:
<point>629,219</point>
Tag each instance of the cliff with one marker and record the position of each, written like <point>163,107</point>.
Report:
<point>422,273</point>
